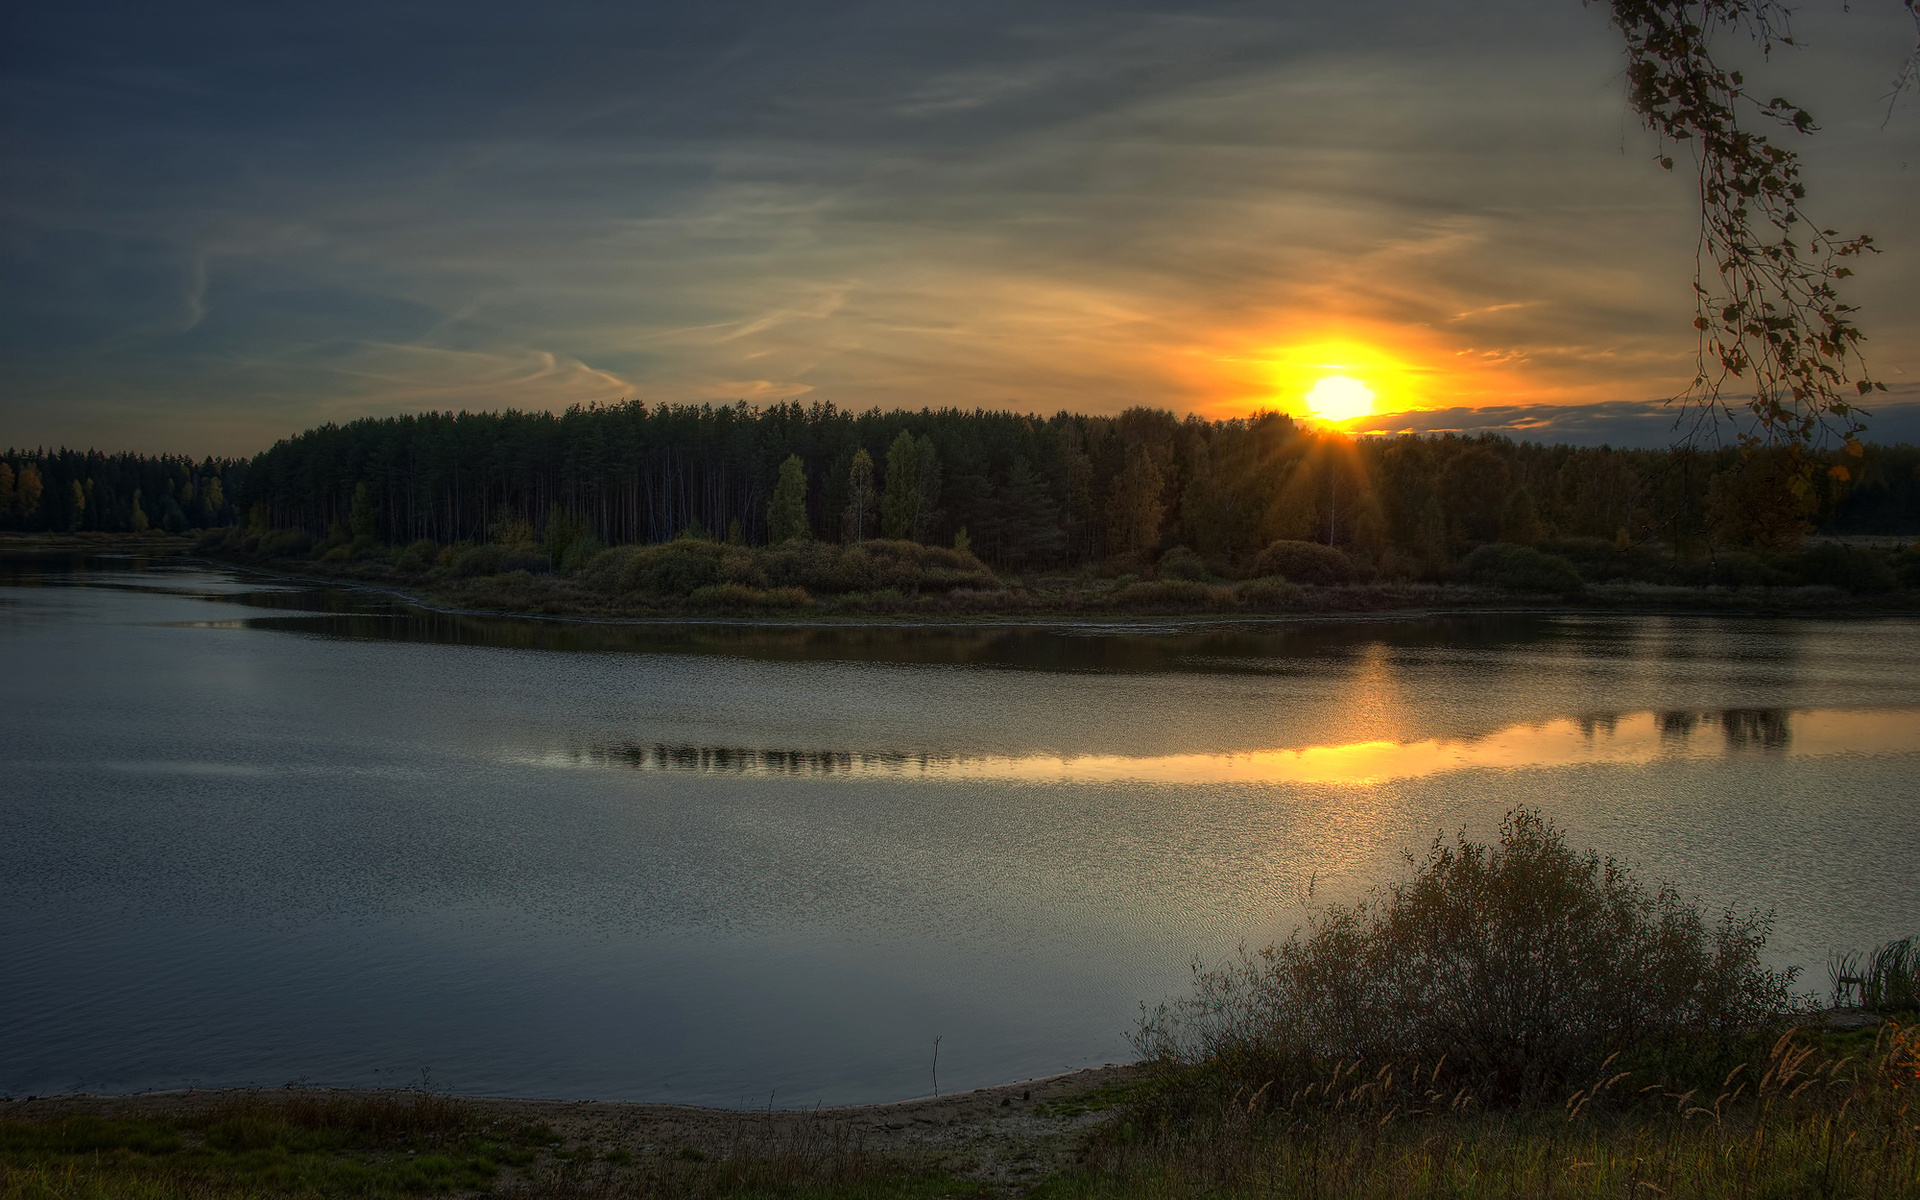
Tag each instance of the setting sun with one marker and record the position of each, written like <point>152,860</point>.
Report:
<point>1338,398</point>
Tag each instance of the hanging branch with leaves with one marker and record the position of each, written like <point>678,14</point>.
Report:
<point>1775,337</point>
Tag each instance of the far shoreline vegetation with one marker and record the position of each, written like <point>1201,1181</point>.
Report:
<point>792,511</point>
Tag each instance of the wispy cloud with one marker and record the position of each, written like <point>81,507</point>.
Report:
<point>1062,206</point>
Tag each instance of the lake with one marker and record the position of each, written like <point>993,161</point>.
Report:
<point>256,833</point>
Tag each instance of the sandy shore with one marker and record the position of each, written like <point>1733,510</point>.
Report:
<point>1011,1132</point>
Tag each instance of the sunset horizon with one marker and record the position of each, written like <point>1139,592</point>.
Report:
<point>1075,210</point>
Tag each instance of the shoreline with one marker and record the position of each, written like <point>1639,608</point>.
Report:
<point>1337,603</point>
<point>1008,1131</point>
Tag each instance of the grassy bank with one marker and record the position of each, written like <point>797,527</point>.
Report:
<point>1810,1115</point>
<point>692,577</point>
<point>698,579</point>
<point>406,1145</point>
<point>1807,1115</point>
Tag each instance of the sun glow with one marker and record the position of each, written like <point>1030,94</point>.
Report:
<point>1339,398</point>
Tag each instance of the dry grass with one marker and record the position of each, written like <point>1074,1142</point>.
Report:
<point>1798,1121</point>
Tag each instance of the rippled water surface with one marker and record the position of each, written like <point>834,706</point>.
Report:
<point>253,833</point>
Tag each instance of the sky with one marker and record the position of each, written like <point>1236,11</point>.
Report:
<point>223,222</point>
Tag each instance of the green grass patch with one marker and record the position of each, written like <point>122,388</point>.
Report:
<point>349,1146</point>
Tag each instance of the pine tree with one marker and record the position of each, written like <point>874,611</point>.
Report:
<point>787,512</point>
<point>859,516</point>
<point>926,513</point>
<point>900,501</point>
<point>364,517</point>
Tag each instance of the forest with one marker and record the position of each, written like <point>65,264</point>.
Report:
<point>1022,493</point>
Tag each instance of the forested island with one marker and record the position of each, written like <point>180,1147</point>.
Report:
<point>636,508</point>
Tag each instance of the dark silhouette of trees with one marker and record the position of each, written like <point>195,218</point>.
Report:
<point>87,491</point>
<point>1025,493</point>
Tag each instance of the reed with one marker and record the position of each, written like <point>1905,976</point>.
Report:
<point>1797,1120</point>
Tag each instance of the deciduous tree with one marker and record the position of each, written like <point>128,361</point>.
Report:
<point>1775,339</point>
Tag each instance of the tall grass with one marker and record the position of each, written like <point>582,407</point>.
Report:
<point>1887,982</point>
<point>1798,1121</point>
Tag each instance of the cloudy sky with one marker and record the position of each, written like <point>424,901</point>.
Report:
<point>225,221</point>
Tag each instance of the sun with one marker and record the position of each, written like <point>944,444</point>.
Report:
<point>1338,398</point>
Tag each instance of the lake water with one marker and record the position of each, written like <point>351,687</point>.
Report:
<point>254,834</point>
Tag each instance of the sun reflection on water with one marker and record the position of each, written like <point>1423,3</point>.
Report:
<point>1619,739</point>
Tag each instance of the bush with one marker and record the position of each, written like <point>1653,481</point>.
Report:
<point>1848,567</point>
<point>739,597</point>
<point>1906,567</point>
<point>1305,562</point>
<point>1175,594</point>
<point>580,551</point>
<point>608,568</point>
<point>1740,569</point>
<point>1524,964</point>
<point>1521,569</point>
<point>284,543</point>
<point>1267,593</point>
<point>420,557</point>
<point>1181,563</point>
<point>495,559</point>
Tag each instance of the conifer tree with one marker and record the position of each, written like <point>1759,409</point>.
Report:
<point>859,516</point>
<point>787,512</point>
<point>900,502</point>
<point>927,483</point>
<point>364,517</point>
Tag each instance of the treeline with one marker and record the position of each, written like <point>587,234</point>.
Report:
<point>1026,492</point>
<point>1022,492</point>
<point>68,491</point>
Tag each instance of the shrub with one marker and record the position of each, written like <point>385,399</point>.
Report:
<point>873,566</point>
<point>1525,964</point>
<point>1906,567</point>
<point>580,551</point>
<point>420,557</point>
<point>1181,563</point>
<point>608,568</point>
<point>1595,558</point>
<point>740,566</point>
<point>1740,569</point>
<point>1176,594</point>
<point>1305,562</point>
<point>1271,592</point>
<point>488,559</point>
<point>1521,569</point>
<point>737,597</point>
<point>284,543</point>
<point>495,559</point>
<point>676,568</point>
<point>1841,566</point>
